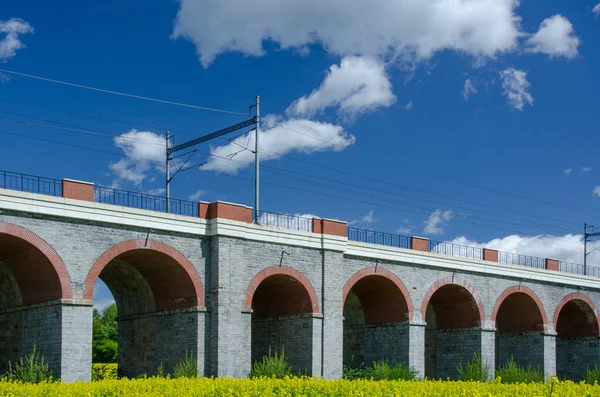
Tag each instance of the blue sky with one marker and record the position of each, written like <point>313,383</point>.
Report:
<point>479,103</point>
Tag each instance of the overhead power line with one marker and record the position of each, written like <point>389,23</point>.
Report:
<point>473,185</point>
<point>276,169</point>
<point>122,93</point>
<point>458,200</point>
<point>460,217</point>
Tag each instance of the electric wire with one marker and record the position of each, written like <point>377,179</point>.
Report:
<point>121,93</point>
<point>413,209</point>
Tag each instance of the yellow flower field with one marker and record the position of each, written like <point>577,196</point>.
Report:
<point>161,387</point>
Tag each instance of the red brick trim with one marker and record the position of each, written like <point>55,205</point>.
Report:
<point>202,210</point>
<point>552,264</point>
<point>522,289</point>
<point>317,225</point>
<point>373,271</point>
<point>47,250</point>
<point>116,250</point>
<point>449,281</point>
<point>234,212</point>
<point>419,244</point>
<point>490,255</point>
<point>575,296</point>
<point>284,270</point>
<point>78,190</point>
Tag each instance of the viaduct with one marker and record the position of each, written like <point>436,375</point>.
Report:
<point>226,289</point>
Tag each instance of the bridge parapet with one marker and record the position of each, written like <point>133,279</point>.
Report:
<point>180,210</point>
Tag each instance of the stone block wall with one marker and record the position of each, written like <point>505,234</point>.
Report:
<point>453,348</point>
<point>575,355</point>
<point>137,345</point>
<point>525,348</point>
<point>178,334</point>
<point>293,335</point>
<point>388,341</point>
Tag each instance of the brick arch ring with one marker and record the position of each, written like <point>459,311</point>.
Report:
<point>378,271</point>
<point>575,296</point>
<point>453,281</point>
<point>130,245</point>
<point>522,289</point>
<point>47,250</point>
<point>280,270</point>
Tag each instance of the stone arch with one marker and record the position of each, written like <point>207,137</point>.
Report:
<point>148,246</point>
<point>159,294</point>
<point>386,274</point>
<point>281,271</point>
<point>33,281</point>
<point>522,290</point>
<point>377,307</point>
<point>453,313</point>
<point>58,285</point>
<point>520,320</point>
<point>577,335</point>
<point>449,281</point>
<point>572,297</point>
<point>284,310</point>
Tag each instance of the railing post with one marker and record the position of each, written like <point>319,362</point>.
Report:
<point>419,244</point>
<point>552,264</point>
<point>490,255</point>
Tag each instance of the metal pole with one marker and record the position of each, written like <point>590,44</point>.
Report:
<point>585,236</point>
<point>256,162</point>
<point>167,173</point>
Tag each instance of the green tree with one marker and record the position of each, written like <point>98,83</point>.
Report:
<point>105,331</point>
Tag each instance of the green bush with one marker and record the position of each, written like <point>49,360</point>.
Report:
<point>380,370</point>
<point>593,375</point>
<point>511,372</point>
<point>104,371</point>
<point>384,370</point>
<point>32,368</point>
<point>272,366</point>
<point>474,371</point>
<point>188,367</point>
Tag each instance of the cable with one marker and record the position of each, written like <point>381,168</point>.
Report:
<point>315,164</point>
<point>447,178</point>
<point>415,209</point>
<point>121,93</point>
<point>275,169</point>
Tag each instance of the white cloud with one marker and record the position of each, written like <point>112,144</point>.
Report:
<point>157,192</point>
<point>367,219</point>
<point>408,106</point>
<point>555,37</point>
<point>585,170</point>
<point>144,151</point>
<point>515,85</point>
<point>596,191</point>
<point>196,195</point>
<point>437,221</point>
<point>278,138</point>
<point>568,171</point>
<point>406,228</point>
<point>9,37</point>
<point>405,30</point>
<point>568,248</point>
<point>469,89</point>
<point>596,10</point>
<point>358,85</point>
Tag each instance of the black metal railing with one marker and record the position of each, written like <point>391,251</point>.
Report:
<point>521,260</point>
<point>577,268</point>
<point>373,237</point>
<point>461,251</point>
<point>124,198</point>
<point>30,183</point>
<point>284,221</point>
